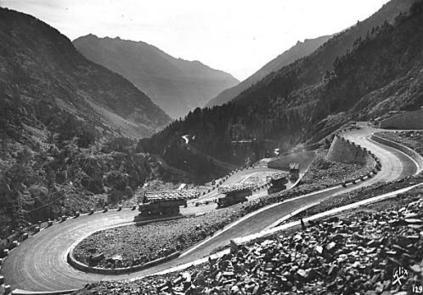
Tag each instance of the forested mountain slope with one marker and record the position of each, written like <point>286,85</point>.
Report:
<point>322,59</point>
<point>299,50</point>
<point>382,72</point>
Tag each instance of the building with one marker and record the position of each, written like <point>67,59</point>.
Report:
<point>234,194</point>
<point>165,203</point>
<point>161,207</point>
<point>294,171</point>
<point>277,182</point>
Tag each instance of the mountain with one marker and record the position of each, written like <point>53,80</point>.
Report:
<point>176,85</point>
<point>325,56</point>
<point>42,71</point>
<point>307,100</point>
<point>300,50</point>
<point>62,118</point>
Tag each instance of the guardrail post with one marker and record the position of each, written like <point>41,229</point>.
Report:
<point>25,236</point>
<point>5,253</point>
<point>14,244</point>
<point>7,289</point>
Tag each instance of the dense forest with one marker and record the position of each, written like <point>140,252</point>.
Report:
<point>299,50</point>
<point>381,72</point>
<point>322,59</point>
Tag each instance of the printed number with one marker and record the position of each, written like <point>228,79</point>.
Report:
<point>417,289</point>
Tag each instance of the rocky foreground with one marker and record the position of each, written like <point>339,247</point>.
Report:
<point>378,250</point>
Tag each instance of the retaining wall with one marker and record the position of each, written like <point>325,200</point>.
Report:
<point>344,151</point>
<point>86,268</point>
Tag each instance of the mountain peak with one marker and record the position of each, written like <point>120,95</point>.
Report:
<point>175,84</point>
<point>299,50</point>
<point>50,73</point>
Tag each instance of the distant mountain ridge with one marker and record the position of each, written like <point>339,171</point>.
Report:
<point>299,50</point>
<point>176,85</point>
<point>41,71</point>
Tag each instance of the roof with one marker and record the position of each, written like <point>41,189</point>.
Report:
<point>236,188</point>
<point>172,195</point>
<point>278,175</point>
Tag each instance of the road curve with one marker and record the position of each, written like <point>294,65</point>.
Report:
<point>39,263</point>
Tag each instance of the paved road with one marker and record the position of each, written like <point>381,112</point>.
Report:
<point>257,175</point>
<point>40,263</point>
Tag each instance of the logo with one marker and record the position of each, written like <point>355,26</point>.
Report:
<point>400,276</point>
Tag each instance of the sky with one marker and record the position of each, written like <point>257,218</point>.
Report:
<point>236,36</point>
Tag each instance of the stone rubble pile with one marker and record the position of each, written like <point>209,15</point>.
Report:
<point>368,252</point>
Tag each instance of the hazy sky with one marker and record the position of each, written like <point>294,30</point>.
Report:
<point>237,36</point>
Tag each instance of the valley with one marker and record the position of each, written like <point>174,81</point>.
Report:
<point>125,169</point>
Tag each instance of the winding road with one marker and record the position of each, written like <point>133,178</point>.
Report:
<point>39,263</point>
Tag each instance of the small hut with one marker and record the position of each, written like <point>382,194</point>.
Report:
<point>165,203</point>
<point>234,194</point>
